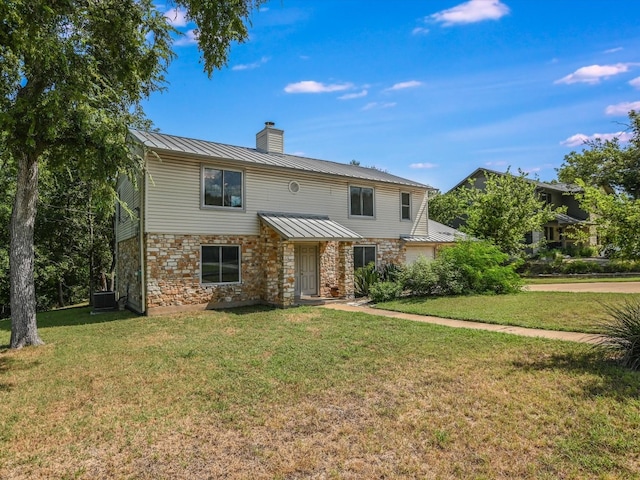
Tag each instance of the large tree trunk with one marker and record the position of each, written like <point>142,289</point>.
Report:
<point>24,330</point>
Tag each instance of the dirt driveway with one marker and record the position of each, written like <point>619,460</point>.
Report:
<point>615,287</point>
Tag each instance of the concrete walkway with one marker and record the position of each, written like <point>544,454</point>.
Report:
<point>525,332</point>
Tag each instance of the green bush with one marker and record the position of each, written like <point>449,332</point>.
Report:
<point>622,333</point>
<point>580,266</point>
<point>364,278</point>
<point>420,278</point>
<point>465,268</point>
<point>385,291</point>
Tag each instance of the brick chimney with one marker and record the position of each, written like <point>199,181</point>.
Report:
<point>270,139</point>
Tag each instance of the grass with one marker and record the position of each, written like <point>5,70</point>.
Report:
<point>553,280</point>
<point>567,311</point>
<point>308,393</point>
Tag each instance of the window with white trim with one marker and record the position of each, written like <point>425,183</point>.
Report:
<point>405,206</point>
<point>222,188</point>
<point>220,264</point>
<point>363,255</point>
<point>361,201</point>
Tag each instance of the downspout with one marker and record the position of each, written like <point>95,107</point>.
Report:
<point>141,233</point>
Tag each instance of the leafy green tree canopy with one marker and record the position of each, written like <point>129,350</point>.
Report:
<point>503,211</point>
<point>609,174</point>
<point>73,75</point>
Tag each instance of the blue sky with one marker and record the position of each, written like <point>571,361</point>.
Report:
<point>429,90</point>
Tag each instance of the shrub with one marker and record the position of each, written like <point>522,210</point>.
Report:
<point>622,333</point>
<point>420,278</point>
<point>483,267</point>
<point>364,278</point>
<point>580,266</point>
<point>385,291</point>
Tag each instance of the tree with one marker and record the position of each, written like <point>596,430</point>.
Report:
<point>607,164</point>
<point>503,212</point>
<point>609,174</point>
<point>73,75</point>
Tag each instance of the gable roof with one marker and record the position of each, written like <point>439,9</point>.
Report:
<point>558,187</point>
<point>171,143</point>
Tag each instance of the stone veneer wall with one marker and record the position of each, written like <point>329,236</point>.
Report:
<point>328,259</point>
<point>278,268</point>
<point>128,273</point>
<point>345,270</point>
<point>388,250</point>
<point>173,271</point>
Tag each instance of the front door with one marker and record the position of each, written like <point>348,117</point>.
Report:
<point>307,270</point>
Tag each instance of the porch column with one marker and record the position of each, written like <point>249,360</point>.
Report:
<point>287,274</point>
<point>345,269</point>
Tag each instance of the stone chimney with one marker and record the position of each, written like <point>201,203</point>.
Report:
<point>270,139</point>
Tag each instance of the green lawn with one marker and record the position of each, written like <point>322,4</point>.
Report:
<point>573,312</point>
<point>552,280</point>
<point>308,393</point>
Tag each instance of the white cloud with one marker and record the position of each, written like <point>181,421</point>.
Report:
<point>189,37</point>
<point>310,86</point>
<point>425,166</point>
<point>251,66</point>
<point>622,108</point>
<point>471,12</point>
<point>176,17</point>
<point>594,73</point>
<point>403,85</point>
<point>351,96</point>
<point>580,138</point>
<point>420,31</point>
<point>635,82</point>
<point>372,105</point>
<point>614,50</point>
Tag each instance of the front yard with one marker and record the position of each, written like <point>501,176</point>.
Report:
<point>308,393</point>
<point>568,311</point>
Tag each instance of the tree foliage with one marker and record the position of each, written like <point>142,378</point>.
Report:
<point>609,174</point>
<point>73,76</point>
<point>503,211</point>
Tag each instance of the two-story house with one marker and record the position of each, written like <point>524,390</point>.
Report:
<point>556,194</point>
<point>210,225</point>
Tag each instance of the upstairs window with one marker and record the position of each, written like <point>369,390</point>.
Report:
<point>222,188</point>
<point>361,201</point>
<point>405,206</point>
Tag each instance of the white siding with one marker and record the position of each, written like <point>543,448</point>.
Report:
<point>127,223</point>
<point>173,200</point>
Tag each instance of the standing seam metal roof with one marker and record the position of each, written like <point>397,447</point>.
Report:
<point>171,143</point>
<point>438,233</point>
<point>293,226</point>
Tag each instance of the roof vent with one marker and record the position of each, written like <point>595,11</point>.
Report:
<point>270,139</point>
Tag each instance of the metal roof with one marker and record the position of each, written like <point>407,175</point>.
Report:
<point>568,220</point>
<point>294,226</point>
<point>170,143</point>
<point>557,186</point>
<point>437,233</point>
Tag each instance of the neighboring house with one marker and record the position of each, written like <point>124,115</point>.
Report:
<point>557,194</point>
<point>212,225</point>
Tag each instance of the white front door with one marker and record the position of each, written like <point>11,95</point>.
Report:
<point>307,270</point>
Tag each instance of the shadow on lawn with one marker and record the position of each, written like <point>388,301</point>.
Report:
<point>603,376</point>
<point>71,316</point>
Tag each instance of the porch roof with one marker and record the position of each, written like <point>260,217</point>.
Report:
<point>567,220</point>
<point>299,226</point>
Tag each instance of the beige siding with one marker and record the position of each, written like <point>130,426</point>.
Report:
<point>127,222</point>
<point>173,200</point>
<point>412,253</point>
